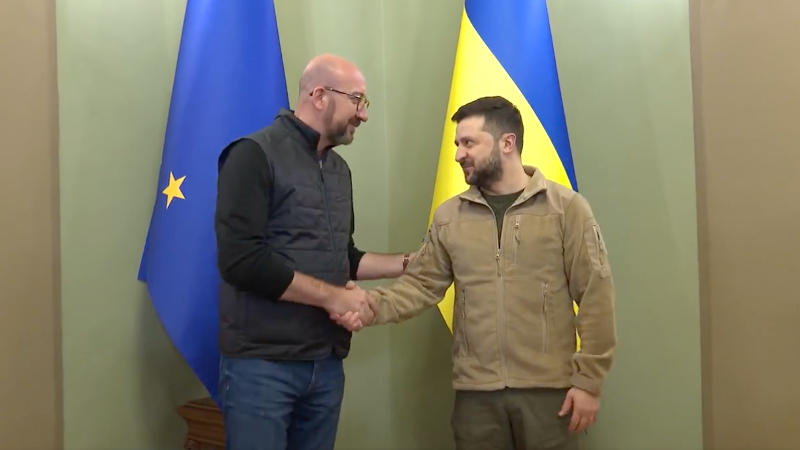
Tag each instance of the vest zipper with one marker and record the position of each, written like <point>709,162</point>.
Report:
<point>327,209</point>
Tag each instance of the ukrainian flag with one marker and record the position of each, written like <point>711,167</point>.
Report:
<point>505,48</point>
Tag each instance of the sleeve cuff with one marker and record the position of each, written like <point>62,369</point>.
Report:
<point>589,385</point>
<point>354,255</point>
<point>282,277</point>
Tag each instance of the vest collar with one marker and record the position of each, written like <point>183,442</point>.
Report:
<point>309,135</point>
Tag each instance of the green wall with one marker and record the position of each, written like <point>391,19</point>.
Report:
<point>626,81</point>
<point>122,377</point>
<point>625,73</point>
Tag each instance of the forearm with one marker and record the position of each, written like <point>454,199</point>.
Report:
<point>401,301</point>
<point>309,291</point>
<point>597,330</point>
<point>277,281</point>
<point>592,287</point>
<point>596,327</point>
<point>376,266</point>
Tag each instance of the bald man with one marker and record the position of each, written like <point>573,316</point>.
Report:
<point>284,228</point>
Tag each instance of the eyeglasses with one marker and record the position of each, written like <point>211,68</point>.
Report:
<point>360,100</point>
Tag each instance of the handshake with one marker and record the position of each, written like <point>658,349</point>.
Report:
<point>352,307</point>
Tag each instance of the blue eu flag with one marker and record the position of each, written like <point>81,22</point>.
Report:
<point>228,83</point>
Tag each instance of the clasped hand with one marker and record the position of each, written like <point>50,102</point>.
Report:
<point>353,308</point>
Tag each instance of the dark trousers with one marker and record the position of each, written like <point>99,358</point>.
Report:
<point>518,419</point>
<point>281,405</point>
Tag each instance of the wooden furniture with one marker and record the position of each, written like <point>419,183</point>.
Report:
<point>204,419</point>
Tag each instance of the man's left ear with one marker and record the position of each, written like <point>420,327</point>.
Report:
<point>509,141</point>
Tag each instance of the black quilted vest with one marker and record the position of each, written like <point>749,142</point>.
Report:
<point>309,227</point>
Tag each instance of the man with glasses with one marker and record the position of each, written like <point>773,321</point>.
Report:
<point>284,229</point>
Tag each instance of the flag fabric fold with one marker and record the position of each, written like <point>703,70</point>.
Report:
<point>229,81</point>
<point>505,48</point>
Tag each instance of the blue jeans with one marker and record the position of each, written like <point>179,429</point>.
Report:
<point>281,405</point>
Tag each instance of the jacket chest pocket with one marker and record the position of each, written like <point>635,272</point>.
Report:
<point>534,240</point>
<point>472,247</point>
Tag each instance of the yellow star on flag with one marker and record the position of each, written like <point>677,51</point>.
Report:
<point>173,190</point>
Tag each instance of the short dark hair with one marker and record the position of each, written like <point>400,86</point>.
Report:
<point>499,114</point>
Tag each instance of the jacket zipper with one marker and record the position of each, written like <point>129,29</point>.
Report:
<point>516,239</point>
<point>327,209</point>
<point>501,288</point>
<point>501,307</point>
<point>545,318</point>
<point>464,339</point>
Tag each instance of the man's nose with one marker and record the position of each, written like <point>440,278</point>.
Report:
<point>461,154</point>
<point>362,115</point>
